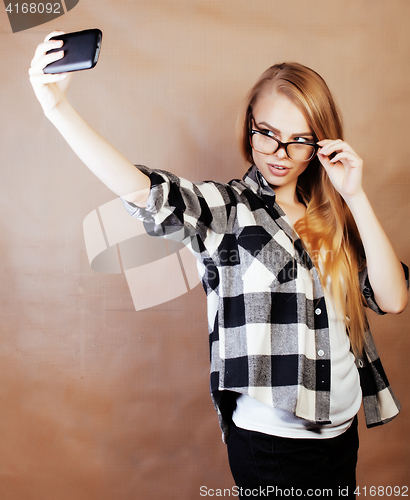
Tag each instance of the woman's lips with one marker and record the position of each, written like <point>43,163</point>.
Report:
<point>278,170</point>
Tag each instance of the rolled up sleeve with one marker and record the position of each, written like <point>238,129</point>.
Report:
<point>178,208</point>
<point>368,292</point>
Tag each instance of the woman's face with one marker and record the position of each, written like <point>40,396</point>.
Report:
<point>277,113</point>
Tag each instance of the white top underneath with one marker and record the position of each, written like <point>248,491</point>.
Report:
<point>345,395</point>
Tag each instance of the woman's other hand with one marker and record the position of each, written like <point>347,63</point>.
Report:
<point>343,166</point>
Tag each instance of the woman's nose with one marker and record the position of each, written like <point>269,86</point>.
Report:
<point>281,153</point>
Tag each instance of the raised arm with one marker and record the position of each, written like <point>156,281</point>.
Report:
<point>385,271</point>
<point>108,164</point>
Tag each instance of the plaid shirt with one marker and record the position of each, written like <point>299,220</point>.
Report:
<point>267,317</point>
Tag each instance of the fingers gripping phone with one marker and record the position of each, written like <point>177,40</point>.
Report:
<point>81,51</point>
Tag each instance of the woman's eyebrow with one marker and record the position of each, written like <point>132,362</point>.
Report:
<point>278,132</point>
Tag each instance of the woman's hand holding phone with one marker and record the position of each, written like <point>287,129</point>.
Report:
<point>50,89</point>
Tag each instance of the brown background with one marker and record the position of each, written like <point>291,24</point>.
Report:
<point>98,401</point>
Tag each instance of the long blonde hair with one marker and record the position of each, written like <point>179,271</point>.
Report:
<point>328,224</point>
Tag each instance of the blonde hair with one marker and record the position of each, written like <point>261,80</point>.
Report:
<point>328,225</point>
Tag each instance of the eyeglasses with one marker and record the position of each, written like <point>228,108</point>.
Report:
<point>263,142</point>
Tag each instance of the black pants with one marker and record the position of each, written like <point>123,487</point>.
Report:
<point>269,466</point>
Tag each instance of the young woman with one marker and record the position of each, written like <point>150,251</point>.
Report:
<point>289,256</point>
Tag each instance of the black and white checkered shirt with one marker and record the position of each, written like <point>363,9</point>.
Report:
<point>267,316</point>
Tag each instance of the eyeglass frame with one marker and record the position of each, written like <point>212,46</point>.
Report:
<point>281,144</point>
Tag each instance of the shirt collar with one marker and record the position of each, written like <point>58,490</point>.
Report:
<point>257,181</point>
<point>254,179</point>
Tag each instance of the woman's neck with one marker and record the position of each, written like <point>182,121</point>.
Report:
<point>286,194</point>
<point>287,199</point>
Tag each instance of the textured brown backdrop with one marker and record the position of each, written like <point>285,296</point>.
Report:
<point>98,401</point>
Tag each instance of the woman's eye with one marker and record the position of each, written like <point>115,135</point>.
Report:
<point>300,139</point>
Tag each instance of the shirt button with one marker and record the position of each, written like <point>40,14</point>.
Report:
<point>320,352</point>
<point>318,311</point>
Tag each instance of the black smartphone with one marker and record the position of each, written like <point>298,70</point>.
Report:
<point>81,51</point>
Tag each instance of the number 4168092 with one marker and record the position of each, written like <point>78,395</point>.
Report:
<point>34,8</point>
<point>381,491</point>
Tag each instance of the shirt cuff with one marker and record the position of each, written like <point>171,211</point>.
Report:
<point>155,199</point>
<point>368,293</point>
